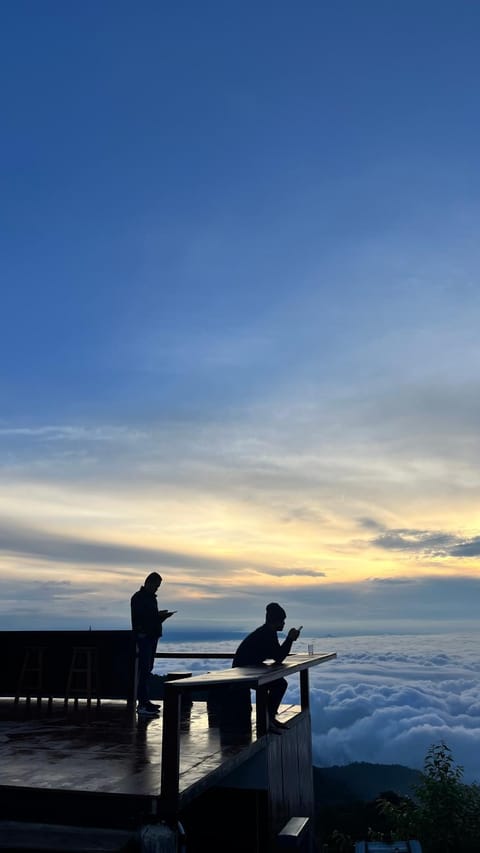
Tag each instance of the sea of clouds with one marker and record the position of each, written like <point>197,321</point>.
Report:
<point>386,699</point>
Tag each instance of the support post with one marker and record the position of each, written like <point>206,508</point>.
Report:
<point>170,749</point>
<point>304,691</point>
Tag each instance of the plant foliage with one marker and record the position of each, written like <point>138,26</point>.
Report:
<point>445,814</point>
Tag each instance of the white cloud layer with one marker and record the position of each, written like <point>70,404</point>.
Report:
<point>387,699</point>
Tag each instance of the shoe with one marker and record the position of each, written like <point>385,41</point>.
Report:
<point>152,707</point>
<point>145,711</point>
<point>278,724</point>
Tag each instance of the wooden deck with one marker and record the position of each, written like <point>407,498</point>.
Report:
<point>109,750</point>
<point>87,763</point>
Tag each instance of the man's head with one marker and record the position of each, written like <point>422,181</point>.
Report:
<point>152,581</point>
<point>275,616</point>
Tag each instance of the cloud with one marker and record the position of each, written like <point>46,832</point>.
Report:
<point>295,571</point>
<point>370,524</point>
<point>226,572</point>
<point>71,433</point>
<point>387,700</point>
<point>261,495</point>
<point>426,542</point>
<point>209,596</point>
<point>24,541</point>
<point>468,548</point>
<point>314,457</point>
<point>304,513</point>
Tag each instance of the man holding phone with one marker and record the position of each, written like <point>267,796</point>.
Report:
<point>147,622</point>
<point>261,645</point>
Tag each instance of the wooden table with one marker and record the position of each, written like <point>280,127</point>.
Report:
<point>254,677</point>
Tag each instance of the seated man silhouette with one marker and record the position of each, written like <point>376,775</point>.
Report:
<point>261,645</point>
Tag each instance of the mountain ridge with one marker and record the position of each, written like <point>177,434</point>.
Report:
<point>362,781</point>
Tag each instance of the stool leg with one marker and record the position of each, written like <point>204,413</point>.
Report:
<point>31,675</point>
<point>82,676</point>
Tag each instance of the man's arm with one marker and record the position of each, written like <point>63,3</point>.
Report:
<point>165,614</point>
<point>139,614</point>
<point>284,648</point>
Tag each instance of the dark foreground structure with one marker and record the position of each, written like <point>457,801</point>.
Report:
<point>79,771</point>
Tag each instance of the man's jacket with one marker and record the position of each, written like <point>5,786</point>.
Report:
<point>145,616</point>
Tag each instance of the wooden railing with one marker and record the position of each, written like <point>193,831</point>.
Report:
<point>196,655</point>
<point>256,678</point>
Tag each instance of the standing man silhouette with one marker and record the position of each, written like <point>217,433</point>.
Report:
<point>147,621</point>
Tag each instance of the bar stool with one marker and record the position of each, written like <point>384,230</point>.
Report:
<point>30,681</point>
<point>82,678</point>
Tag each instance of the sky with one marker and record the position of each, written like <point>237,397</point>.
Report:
<point>240,309</point>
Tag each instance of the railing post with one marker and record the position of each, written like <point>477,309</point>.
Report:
<point>170,748</point>
<point>304,691</point>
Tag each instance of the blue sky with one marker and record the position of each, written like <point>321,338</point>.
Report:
<point>239,336</point>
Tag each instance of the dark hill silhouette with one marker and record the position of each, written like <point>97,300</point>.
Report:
<point>361,781</point>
